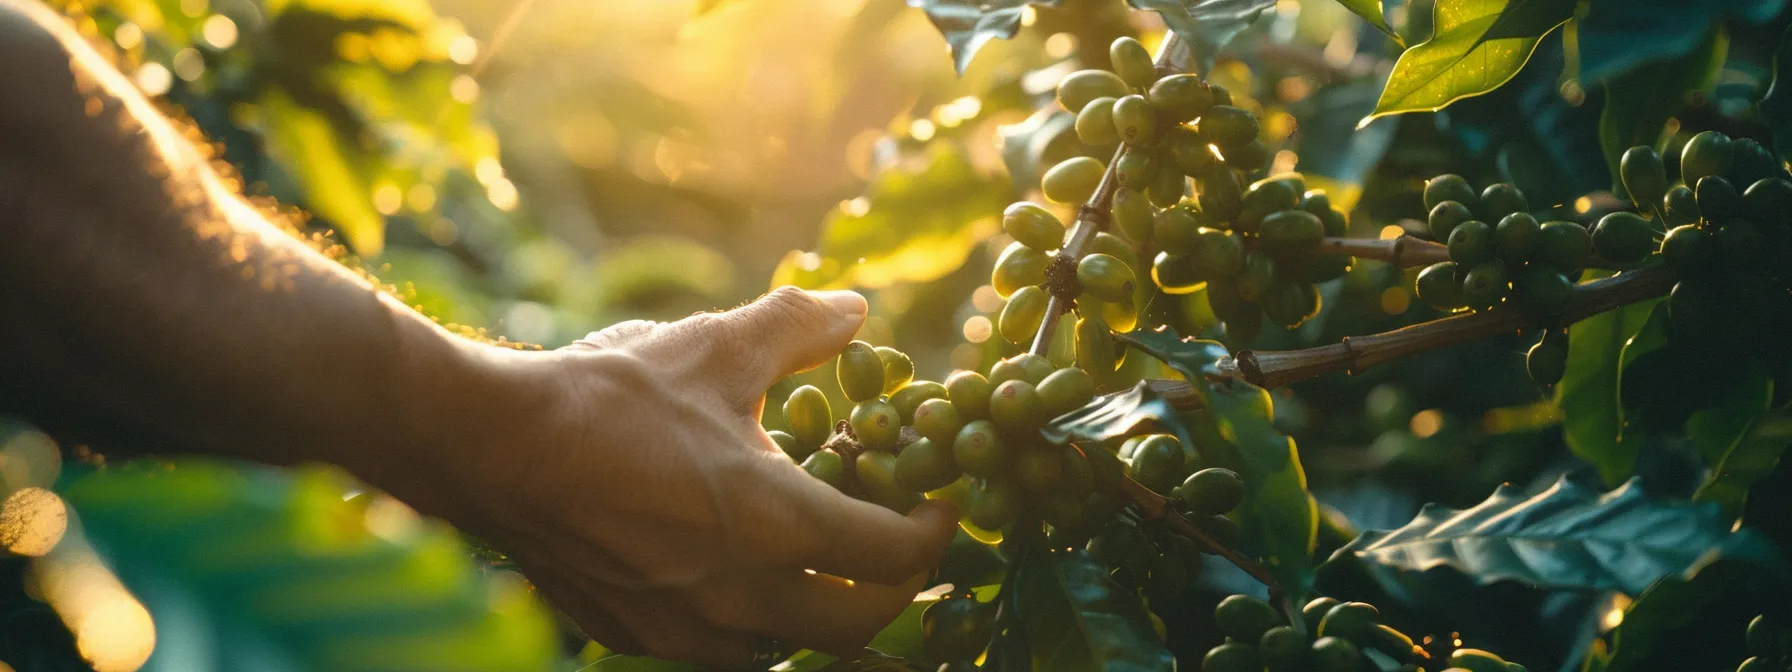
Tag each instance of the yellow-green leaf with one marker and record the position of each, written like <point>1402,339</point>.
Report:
<point>334,186</point>
<point>1370,10</point>
<point>1455,63</point>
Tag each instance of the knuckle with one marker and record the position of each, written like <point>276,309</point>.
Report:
<point>795,308</point>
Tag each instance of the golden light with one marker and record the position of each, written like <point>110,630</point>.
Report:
<point>1391,232</point>
<point>1615,617</point>
<point>117,635</point>
<point>1284,162</point>
<point>985,299</point>
<point>856,207</point>
<point>154,79</point>
<point>1059,45</point>
<point>1028,15</point>
<point>388,199</point>
<point>128,36</point>
<point>1583,204</point>
<point>463,50</point>
<point>32,522</point>
<point>464,89</point>
<point>113,631</point>
<point>1425,423</point>
<point>1294,89</point>
<point>502,194</point>
<point>922,129</point>
<point>966,356</point>
<point>421,197</point>
<point>188,64</point>
<point>29,458</point>
<point>487,170</point>
<point>219,31</point>
<point>390,519</point>
<point>978,329</point>
<point>1395,300</point>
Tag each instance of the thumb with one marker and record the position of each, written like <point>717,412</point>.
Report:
<point>790,330</point>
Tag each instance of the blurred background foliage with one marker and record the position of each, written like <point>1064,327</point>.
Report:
<point>661,158</point>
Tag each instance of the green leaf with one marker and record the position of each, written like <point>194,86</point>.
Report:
<point>1666,606</point>
<point>970,24</point>
<point>1529,18</point>
<point>1638,103</point>
<point>919,220</point>
<point>1370,10</point>
<point>1592,421</point>
<point>1776,104</point>
<point>1745,463</point>
<point>1206,25</point>
<point>1719,429</point>
<point>1455,63</point>
<point>1615,37</point>
<point>1077,618</point>
<point>1568,537</point>
<point>335,186</point>
<point>1279,517</point>
<point>1125,413</point>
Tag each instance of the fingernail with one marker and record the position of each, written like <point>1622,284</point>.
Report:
<point>848,306</point>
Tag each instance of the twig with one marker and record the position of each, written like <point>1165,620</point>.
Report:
<point>1154,506</point>
<point>1404,251</point>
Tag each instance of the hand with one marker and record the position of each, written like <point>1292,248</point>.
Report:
<point>643,498</point>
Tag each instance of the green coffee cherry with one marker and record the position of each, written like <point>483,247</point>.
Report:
<point>898,368</point>
<point>1114,246</point>
<point>994,503</point>
<point>1643,176</point>
<point>979,451</point>
<point>1290,233</point>
<point>909,399</point>
<point>1762,638</point>
<point>1392,642</point>
<point>1548,359</point>
<point>1315,609</point>
<point>877,474</point>
<point>1039,471</point>
<point>1476,660</point>
<point>1221,196</point>
<point>1623,237</point>
<point>1073,180</point>
<point>1680,206</point>
<point>938,421</point>
<point>1034,368</point>
<point>1754,664</point>
<point>1176,274</point>
<point>1021,316</point>
<point>1218,254</point>
<point>1078,88</point>
<point>1249,157</point>
<point>1564,245</point>
<point>860,371</point>
<point>1227,126</point>
<point>826,466</point>
<point>1135,120</point>
<point>969,392</point>
<point>1259,272</point>
<point>1542,290</point>
<point>876,424</point>
<point>1033,226</point>
<point>1283,649</point>
<point>1499,200</point>
<point>788,444</point>
<point>1752,162</point>
<point>807,415</point>
<point>1439,287</point>
<point>1445,217</point>
<point>1471,243</point>
<point>1133,214</point>
<point>1245,618</point>
<point>1016,408</point>
<point>1175,230</point>
<point>1349,620</point>
<point>1706,154</point>
<point>1095,347</point>
<point>1231,657</point>
<point>1264,199</point>
<point>1019,266</point>
<point>1289,302</point>
<point>1167,188</point>
<point>1181,97</point>
<point>924,465</point>
<point>1095,123</point>
<point>1189,152</point>
<point>1065,390</point>
<point>1449,188</point>
<point>1212,491</point>
<point>1688,249</point>
<point>1485,285</point>
<point>1515,237</point>
<point>1158,463</point>
<point>1122,317</point>
<point>956,628</point>
<point>1136,169</point>
<point>1132,63</point>
<point>1332,654</point>
<point>1718,200</point>
<point>1105,277</point>
<point>1768,200</point>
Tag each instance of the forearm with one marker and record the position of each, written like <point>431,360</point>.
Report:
<point>140,297</point>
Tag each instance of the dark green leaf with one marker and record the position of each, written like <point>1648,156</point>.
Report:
<point>1748,461</point>
<point>1077,618</point>
<point>1568,537</point>
<point>1456,62</point>
<point>1206,25</point>
<point>1124,413</point>
<point>1776,105</point>
<point>1370,10</point>
<point>1279,517</point>
<point>1638,103</point>
<point>1719,429</point>
<point>1619,36</point>
<point>969,24</point>
<point>1666,606</point>
<point>1588,394</point>
<point>1529,18</point>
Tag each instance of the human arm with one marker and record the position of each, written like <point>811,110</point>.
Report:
<point>144,302</point>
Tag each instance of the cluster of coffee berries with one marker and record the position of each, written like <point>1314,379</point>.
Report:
<point>1032,269</point>
<point>1769,647</point>
<point>1333,639</point>
<point>1498,250</point>
<point>1150,555</point>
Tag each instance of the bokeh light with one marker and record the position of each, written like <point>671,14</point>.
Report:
<point>32,521</point>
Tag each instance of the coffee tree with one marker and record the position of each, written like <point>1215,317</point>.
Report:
<point>1112,462</point>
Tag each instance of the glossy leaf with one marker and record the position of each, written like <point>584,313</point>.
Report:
<point>1592,422</point>
<point>1529,18</point>
<point>1638,103</point>
<point>1206,25</point>
<point>1776,104</point>
<point>919,220</point>
<point>1370,10</point>
<point>1279,517</point>
<point>1077,618</point>
<point>1568,537</point>
<point>1745,463</point>
<point>1666,606</point>
<point>970,24</point>
<point>1621,36</point>
<point>1717,430</point>
<point>1137,410</point>
<point>1455,63</point>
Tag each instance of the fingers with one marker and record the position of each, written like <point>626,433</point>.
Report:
<point>786,331</point>
<point>797,521</point>
<point>809,611</point>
